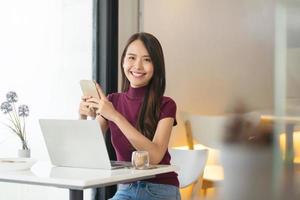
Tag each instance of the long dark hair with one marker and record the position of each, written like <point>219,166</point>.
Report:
<point>149,112</point>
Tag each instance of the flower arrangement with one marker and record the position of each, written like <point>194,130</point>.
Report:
<point>16,119</point>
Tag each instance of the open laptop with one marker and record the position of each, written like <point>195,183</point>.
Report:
<point>77,143</point>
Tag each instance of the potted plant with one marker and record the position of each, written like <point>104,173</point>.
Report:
<point>17,120</point>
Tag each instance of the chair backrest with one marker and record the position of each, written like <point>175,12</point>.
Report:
<point>191,164</point>
<point>207,130</point>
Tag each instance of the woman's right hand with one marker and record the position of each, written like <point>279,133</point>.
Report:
<point>84,108</point>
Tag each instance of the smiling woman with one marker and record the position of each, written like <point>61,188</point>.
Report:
<point>140,118</point>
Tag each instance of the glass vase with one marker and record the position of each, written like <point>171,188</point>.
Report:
<point>24,153</point>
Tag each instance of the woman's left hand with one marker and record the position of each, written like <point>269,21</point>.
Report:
<point>103,106</point>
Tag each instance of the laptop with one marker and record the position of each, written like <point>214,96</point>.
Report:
<point>77,143</point>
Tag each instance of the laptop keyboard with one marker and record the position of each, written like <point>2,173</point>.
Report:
<point>120,164</point>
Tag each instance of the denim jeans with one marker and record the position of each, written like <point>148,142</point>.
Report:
<point>142,190</point>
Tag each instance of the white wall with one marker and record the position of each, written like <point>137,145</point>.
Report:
<point>216,52</point>
<point>128,25</point>
<point>46,48</point>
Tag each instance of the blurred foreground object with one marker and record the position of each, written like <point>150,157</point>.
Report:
<point>247,158</point>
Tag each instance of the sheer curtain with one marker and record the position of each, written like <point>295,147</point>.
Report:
<point>45,49</point>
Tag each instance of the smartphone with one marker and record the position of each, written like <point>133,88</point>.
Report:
<point>88,88</point>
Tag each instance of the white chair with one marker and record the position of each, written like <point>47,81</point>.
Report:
<point>191,164</point>
<point>208,131</point>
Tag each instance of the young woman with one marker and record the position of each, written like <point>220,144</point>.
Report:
<point>139,118</point>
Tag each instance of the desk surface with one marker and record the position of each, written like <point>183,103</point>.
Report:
<point>43,173</point>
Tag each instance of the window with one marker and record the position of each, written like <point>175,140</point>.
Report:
<point>46,48</point>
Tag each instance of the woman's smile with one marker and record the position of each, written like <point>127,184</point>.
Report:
<point>137,74</point>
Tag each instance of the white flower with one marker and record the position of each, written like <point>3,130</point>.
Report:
<point>6,107</point>
<point>23,111</point>
<point>12,97</point>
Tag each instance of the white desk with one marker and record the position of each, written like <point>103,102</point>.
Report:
<point>76,180</point>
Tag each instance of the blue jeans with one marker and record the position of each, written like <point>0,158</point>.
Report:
<point>142,190</point>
